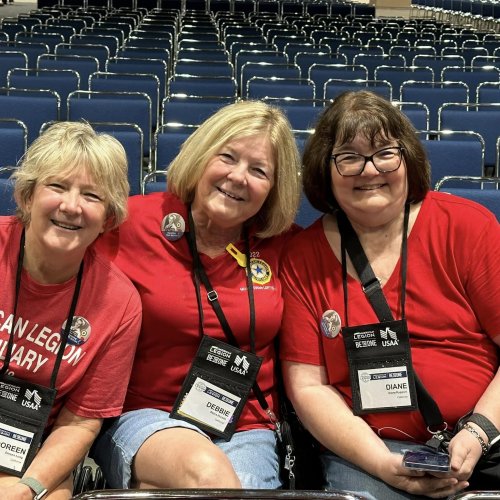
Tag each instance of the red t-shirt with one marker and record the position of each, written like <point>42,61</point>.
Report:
<point>162,272</point>
<point>97,359</point>
<point>452,308</point>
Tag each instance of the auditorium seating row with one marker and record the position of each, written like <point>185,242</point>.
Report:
<point>150,77</point>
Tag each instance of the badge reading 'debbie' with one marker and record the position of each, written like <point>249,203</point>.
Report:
<point>173,226</point>
<point>330,324</point>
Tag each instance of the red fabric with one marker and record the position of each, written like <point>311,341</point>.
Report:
<point>452,308</point>
<point>162,272</point>
<point>93,376</point>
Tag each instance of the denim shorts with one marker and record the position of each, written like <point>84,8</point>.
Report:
<point>252,453</point>
<point>343,475</point>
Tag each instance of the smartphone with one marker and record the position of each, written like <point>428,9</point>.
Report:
<point>426,461</point>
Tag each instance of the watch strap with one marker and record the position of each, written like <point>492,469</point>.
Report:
<point>486,425</point>
<point>39,490</point>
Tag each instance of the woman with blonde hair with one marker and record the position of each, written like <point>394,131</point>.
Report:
<point>197,412</point>
<point>69,318</point>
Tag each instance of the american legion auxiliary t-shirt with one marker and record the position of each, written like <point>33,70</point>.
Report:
<point>97,359</point>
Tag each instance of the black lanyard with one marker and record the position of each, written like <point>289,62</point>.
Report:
<point>371,284</point>
<point>200,275</point>
<point>69,321</point>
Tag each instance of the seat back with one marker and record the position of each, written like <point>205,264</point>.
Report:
<point>266,70</point>
<point>488,92</point>
<point>32,107</point>
<point>304,60</point>
<point>321,73</point>
<point>486,192</point>
<point>146,83</point>
<point>156,67</point>
<point>481,118</point>
<point>168,140</point>
<point>209,494</point>
<point>301,113</point>
<point>300,88</point>
<point>471,76</point>
<point>258,56</point>
<point>131,137</point>
<point>372,61</point>
<point>437,63</point>
<point>203,68</point>
<point>416,112</point>
<point>191,110</point>
<point>154,182</point>
<point>31,49</point>
<point>11,60</point>
<point>306,214</point>
<point>120,107</point>
<point>7,202</point>
<point>334,87</point>
<point>434,95</point>
<point>62,81</point>
<point>109,41</point>
<point>13,142</point>
<point>397,75</point>
<point>82,65</point>
<point>49,39</point>
<point>208,86</point>
<point>99,52</point>
<point>453,153</point>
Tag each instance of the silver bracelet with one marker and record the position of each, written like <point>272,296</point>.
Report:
<point>476,434</point>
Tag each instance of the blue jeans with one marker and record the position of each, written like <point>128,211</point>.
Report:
<point>252,453</point>
<point>342,475</point>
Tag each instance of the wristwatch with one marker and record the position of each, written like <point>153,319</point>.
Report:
<point>39,490</point>
<point>487,426</point>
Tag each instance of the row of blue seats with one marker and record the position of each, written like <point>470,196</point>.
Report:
<point>456,152</point>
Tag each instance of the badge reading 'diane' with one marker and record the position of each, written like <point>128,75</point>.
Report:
<point>330,324</point>
<point>173,226</point>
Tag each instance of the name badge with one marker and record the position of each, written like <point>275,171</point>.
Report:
<point>216,388</point>
<point>24,411</point>
<point>380,367</point>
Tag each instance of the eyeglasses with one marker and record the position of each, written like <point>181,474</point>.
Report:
<point>385,160</point>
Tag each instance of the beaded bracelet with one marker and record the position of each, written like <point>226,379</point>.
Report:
<point>476,434</point>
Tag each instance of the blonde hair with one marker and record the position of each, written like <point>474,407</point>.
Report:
<point>244,119</point>
<point>68,146</point>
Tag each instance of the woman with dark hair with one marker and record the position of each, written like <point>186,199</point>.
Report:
<point>358,346</point>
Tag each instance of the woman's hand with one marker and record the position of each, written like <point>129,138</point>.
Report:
<point>16,491</point>
<point>416,482</point>
<point>465,451</point>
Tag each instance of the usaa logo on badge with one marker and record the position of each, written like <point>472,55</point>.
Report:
<point>261,271</point>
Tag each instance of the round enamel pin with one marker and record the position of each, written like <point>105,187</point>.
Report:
<point>173,226</point>
<point>330,324</point>
<point>79,332</point>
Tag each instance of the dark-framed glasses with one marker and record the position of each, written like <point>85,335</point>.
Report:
<point>384,160</point>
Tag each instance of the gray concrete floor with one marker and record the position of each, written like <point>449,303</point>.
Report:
<point>17,7</point>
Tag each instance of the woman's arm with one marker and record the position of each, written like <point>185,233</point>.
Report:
<point>62,451</point>
<point>465,449</point>
<point>329,419</point>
